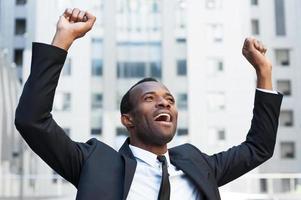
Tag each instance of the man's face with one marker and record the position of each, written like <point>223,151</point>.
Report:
<point>154,113</point>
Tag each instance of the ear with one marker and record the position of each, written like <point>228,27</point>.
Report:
<point>127,121</point>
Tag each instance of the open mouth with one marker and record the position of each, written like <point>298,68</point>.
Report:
<point>163,117</point>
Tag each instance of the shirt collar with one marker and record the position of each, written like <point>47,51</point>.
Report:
<point>147,157</point>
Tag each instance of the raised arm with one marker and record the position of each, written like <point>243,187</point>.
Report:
<point>260,141</point>
<point>33,115</point>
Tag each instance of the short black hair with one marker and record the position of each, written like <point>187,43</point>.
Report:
<point>126,105</point>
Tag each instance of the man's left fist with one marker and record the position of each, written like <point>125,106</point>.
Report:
<point>254,51</point>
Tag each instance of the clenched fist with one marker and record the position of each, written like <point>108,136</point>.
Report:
<point>73,24</point>
<point>254,51</point>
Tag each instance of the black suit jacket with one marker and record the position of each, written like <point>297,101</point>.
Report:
<point>100,172</point>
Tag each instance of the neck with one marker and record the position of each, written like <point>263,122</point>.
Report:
<point>158,150</point>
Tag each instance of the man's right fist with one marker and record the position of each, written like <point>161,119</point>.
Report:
<point>73,24</point>
<point>254,51</point>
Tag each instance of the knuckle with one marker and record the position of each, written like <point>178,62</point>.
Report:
<point>248,38</point>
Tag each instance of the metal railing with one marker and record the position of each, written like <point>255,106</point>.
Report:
<point>53,187</point>
<point>273,186</point>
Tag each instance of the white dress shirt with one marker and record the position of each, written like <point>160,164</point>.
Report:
<point>148,174</point>
<point>147,178</point>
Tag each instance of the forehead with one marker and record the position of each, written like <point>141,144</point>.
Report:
<point>148,87</point>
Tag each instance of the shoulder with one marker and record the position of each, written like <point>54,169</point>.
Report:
<point>94,146</point>
<point>186,150</point>
<point>190,152</point>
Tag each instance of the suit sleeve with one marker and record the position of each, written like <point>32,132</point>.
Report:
<point>34,120</point>
<point>258,146</point>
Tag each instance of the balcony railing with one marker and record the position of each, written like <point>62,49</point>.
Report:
<point>53,187</point>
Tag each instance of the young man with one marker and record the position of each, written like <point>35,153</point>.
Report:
<point>143,168</point>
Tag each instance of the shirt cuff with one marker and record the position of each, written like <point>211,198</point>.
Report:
<point>267,91</point>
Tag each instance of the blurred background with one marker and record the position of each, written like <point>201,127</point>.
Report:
<point>192,46</point>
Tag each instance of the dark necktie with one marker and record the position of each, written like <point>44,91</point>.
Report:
<point>164,193</point>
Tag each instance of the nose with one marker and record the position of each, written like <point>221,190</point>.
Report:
<point>163,103</point>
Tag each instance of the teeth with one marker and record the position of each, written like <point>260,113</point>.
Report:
<point>165,115</point>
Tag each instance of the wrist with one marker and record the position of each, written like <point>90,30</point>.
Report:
<point>62,40</point>
<point>264,80</point>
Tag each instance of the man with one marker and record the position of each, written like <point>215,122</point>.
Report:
<point>143,168</point>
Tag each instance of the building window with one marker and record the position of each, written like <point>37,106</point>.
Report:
<point>96,44</point>
<point>254,2</point>
<point>181,13</point>
<point>181,67</point>
<point>96,119</point>
<point>96,101</point>
<point>138,59</point>
<point>218,33</point>
<point>18,57</point>
<point>20,26</point>
<point>216,101</point>
<point>55,176</point>
<point>213,4</point>
<point>280,18</point>
<point>287,150</point>
<point>155,7</point>
<point>180,55</point>
<point>286,118</point>
<point>263,184</point>
<point>181,40</point>
<point>285,185</point>
<point>131,69</point>
<point>182,101</point>
<point>96,57</point>
<point>255,26</point>
<point>182,131</point>
<point>284,86</point>
<point>221,134</point>
<point>282,57</point>
<point>62,101</point>
<point>67,68</point>
<point>21,2</point>
<point>96,131</point>
<point>121,131</point>
<point>96,67</point>
<point>155,69</point>
<point>215,32</point>
<point>215,66</point>
<point>220,66</point>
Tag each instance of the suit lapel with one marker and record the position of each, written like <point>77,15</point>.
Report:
<point>198,173</point>
<point>129,167</point>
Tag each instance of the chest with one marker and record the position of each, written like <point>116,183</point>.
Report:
<point>147,179</point>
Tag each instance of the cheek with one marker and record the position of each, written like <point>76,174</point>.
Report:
<point>141,119</point>
<point>143,114</point>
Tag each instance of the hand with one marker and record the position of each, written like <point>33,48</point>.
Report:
<point>73,24</point>
<point>254,51</point>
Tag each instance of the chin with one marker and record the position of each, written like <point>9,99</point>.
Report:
<point>164,138</point>
<point>157,137</point>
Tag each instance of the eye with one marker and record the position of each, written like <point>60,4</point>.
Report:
<point>148,98</point>
<point>171,100</point>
